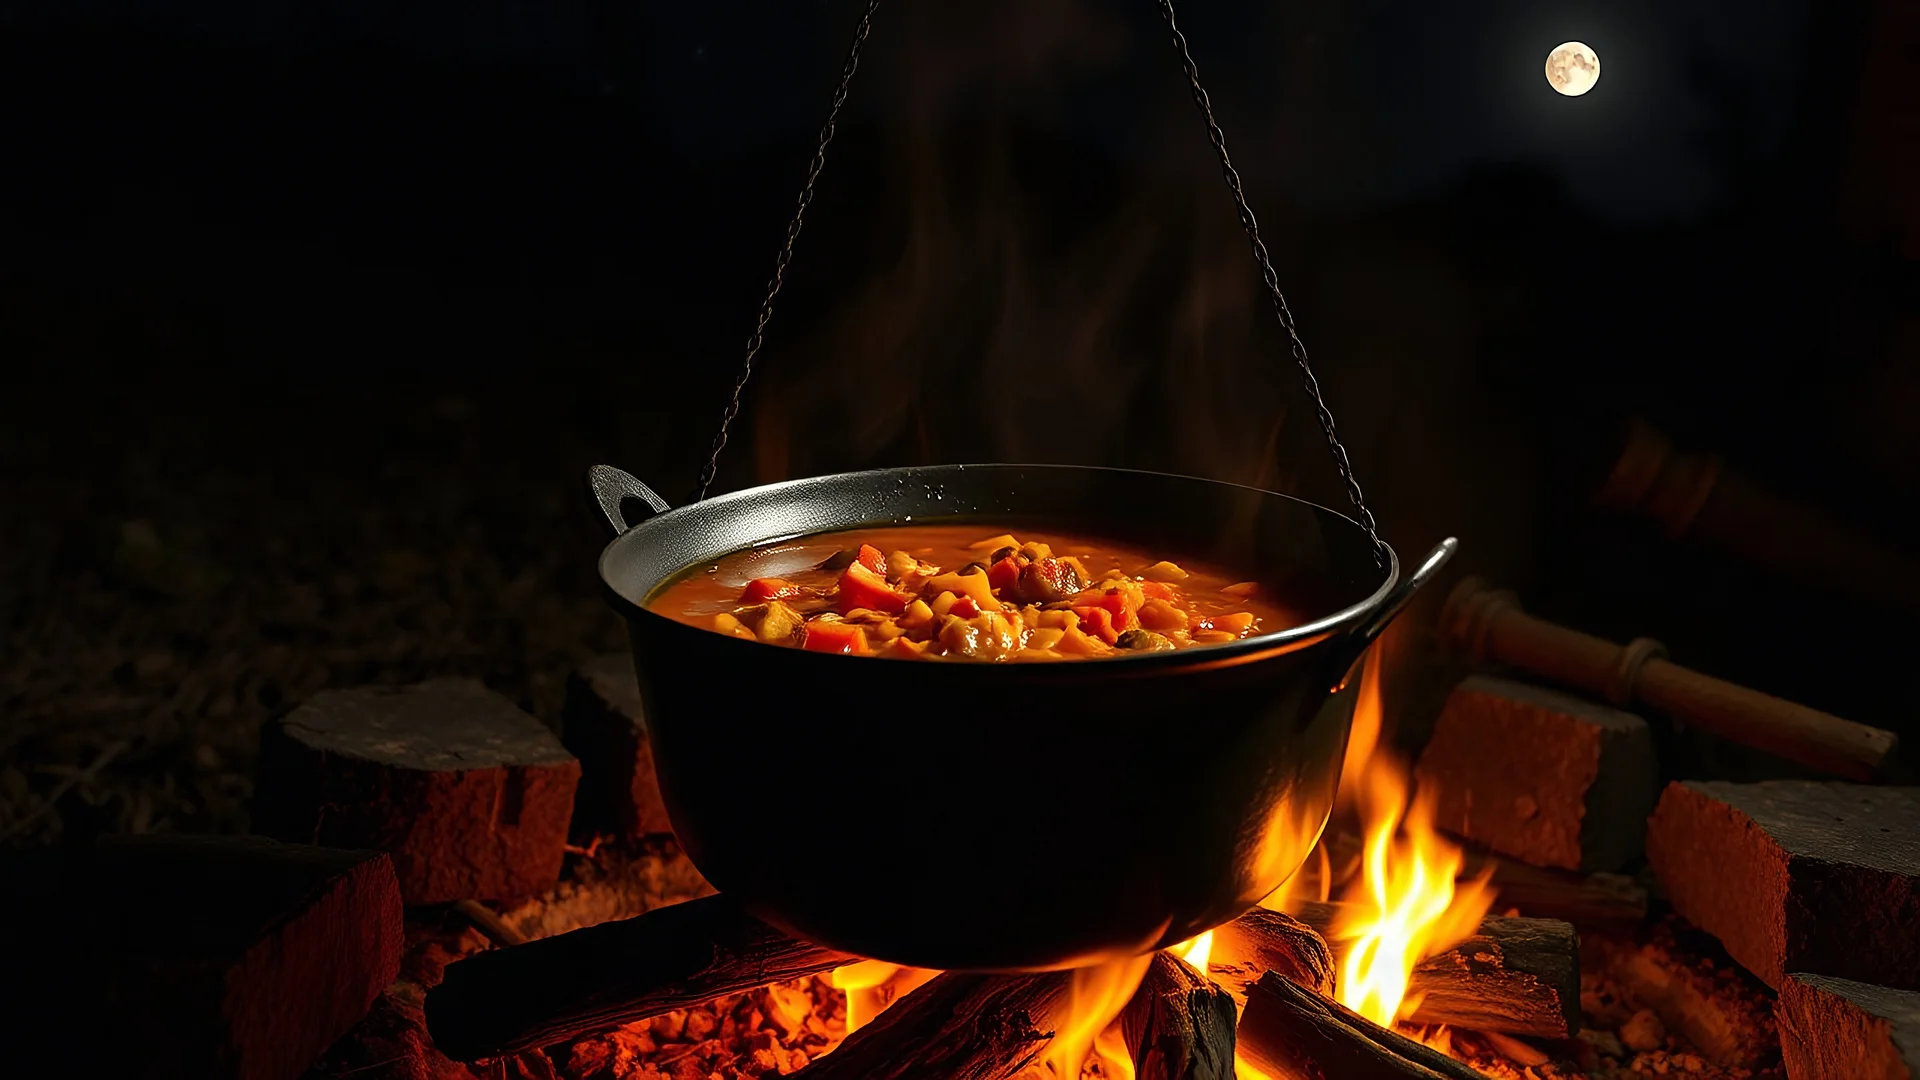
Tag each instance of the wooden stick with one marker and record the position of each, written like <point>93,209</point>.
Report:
<point>1179,1024</point>
<point>1261,941</point>
<point>957,1027</point>
<point>1290,1033</point>
<point>489,922</point>
<point>1489,625</point>
<point>562,987</point>
<point>1516,976</point>
<point>1697,497</point>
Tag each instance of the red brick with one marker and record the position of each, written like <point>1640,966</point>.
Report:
<point>1797,875</point>
<point>1839,1028</point>
<point>1546,777</point>
<point>470,795</point>
<point>238,958</point>
<point>604,724</point>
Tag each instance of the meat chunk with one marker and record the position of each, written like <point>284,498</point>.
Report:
<point>1047,581</point>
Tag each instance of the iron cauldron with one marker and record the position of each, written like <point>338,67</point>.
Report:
<point>1016,816</point>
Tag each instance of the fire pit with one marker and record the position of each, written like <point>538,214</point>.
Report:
<point>1478,964</point>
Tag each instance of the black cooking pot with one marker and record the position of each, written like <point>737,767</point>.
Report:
<point>1003,816</point>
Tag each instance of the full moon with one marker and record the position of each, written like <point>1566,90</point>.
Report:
<point>1573,68</point>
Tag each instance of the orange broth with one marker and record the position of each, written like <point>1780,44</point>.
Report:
<point>968,592</point>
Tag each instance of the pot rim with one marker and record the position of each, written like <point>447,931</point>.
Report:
<point>1199,657</point>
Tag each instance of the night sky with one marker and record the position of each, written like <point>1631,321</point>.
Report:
<point>250,202</point>
<point>1435,90</point>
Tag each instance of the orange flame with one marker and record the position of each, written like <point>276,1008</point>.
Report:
<point>1364,734</point>
<point>1095,996</point>
<point>872,985</point>
<point>1196,951</point>
<point>1407,904</point>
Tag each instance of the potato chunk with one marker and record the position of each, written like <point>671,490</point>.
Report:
<point>774,621</point>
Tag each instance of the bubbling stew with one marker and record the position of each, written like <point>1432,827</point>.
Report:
<point>933,592</point>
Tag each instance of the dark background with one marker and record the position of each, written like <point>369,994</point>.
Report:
<point>313,314</point>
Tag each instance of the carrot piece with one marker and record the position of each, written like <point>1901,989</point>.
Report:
<point>835,637</point>
<point>861,587</point>
<point>964,607</point>
<point>871,558</point>
<point>902,648</point>
<point>1237,623</point>
<point>761,590</point>
<point>1157,590</point>
<point>1114,602</point>
<point>1098,622</point>
<point>1003,574</point>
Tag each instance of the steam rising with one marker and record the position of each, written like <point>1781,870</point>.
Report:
<point>997,287</point>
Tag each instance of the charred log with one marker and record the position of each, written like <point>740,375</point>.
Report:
<point>1291,1033</point>
<point>1515,976</point>
<point>1261,941</point>
<point>590,980</point>
<point>1179,1024</point>
<point>957,1027</point>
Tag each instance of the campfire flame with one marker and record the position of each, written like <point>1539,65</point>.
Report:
<point>872,985</point>
<point>1407,904</point>
<point>1196,951</point>
<point>1095,996</point>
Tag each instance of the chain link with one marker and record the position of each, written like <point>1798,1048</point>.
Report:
<point>1267,275</point>
<point>1272,280</point>
<point>786,251</point>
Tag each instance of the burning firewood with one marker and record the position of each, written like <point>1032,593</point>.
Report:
<point>615,973</point>
<point>1589,900</point>
<point>1179,1024</point>
<point>957,1027</point>
<point>1261,941</point>
<point>1290,1033</point>
<point>1585,900</point>
<point>590,980</point>
<point>1515,976</point>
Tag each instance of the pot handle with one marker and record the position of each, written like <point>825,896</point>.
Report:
<point>611,489</point>
<point>1354,645</point>
<point>1403,592</point>
<point>1396,600</point>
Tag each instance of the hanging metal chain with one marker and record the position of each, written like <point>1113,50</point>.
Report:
<point>1340,460</point>
<point>786,250</point>
<point>1272,280</point>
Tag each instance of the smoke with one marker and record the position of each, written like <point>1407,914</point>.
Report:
<point>1015,291</point>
